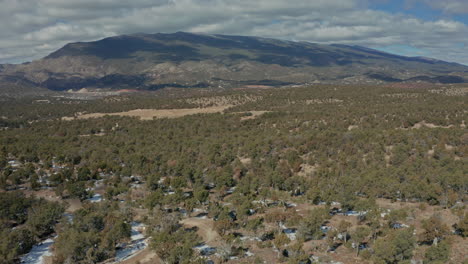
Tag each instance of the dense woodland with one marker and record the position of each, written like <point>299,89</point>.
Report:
<point>331,149</point>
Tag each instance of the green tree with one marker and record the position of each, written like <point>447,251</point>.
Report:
<point>223,225</point>
<point>14,206</point>
<point>437,254</point>
<point>343,229</point>
<point>77,190</point>
<point>281,240</point>
<point>462,226</point>
<point>433,230</point>
<point>296,254</point>
<point>395,248</point>
<point>43,217</point>
<point>74,246</point>
<point>310,227</point>
<point>84,174</point>
<point>395,216</point>
<point>14,243</point>
<point>154,198</point>
<point>34,181</point>
<point>174,246</point>
<point>92,235</point>
<point>117,231</point>
<point>201,195</point>
<point>359,236</point>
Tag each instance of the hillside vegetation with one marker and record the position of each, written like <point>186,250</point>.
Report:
<point>323,174</point>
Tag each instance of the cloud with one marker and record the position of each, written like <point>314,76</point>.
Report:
<point>62,31</point>
<point>38,27</point>
<point>449,6</point>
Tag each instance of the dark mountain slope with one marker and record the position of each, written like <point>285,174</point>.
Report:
<point>152,61</point>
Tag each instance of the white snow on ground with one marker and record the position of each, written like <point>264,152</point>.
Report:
<point>96,198</point>
<point>202,246</point>
<point>130,250</point>
<point>290,232</point>
<point>137,244</point>
<point>69,217</point>
<point>244,238</point>
<point>205,250</point>
<point>38,252</point>
<point>136,231</point>
<point>325,229</point>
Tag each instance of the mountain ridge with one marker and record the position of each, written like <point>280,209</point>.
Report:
<point>152,61</point>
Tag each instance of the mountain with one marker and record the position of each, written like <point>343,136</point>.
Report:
<point>153,61</point>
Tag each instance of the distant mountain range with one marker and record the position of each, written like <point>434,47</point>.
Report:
<point>153,61</point>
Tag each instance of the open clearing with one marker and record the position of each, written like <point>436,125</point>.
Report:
<point>253,114</point>
<point>205,228</point>
<point>150,114</point>
<point>205,105</point>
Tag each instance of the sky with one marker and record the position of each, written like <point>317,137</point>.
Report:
<point>32,29</point>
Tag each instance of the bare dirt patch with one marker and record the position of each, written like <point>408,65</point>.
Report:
<point>459,251</point>
<point>49,195</point>
<point>150,114</point>
<point>307,170</point>
<point>416,214</point>
<point>205,229</point>
<point>402,95</point>
<point>422,124</point>
<point>268,255</point>
<point>245,160</point>
<point>73,205</point>
<point>428,125</point>
<point>323,101</point>
<point>253,115</point>
<point>46,194</point>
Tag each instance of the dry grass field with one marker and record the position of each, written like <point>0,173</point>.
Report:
<point>150,114</point>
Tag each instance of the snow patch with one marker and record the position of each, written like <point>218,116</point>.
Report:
<point>96,198</point>
<point>138,243</point>
<point>205,250</point>
<point>38,252</point>
<point>136,231</point>
<point>130,250</point>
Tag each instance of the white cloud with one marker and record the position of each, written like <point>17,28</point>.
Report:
<point>62,31</point>
<point>38,27</point>
<point>450,6</point>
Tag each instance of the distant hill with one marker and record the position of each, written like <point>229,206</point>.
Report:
<point>153,61</point>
